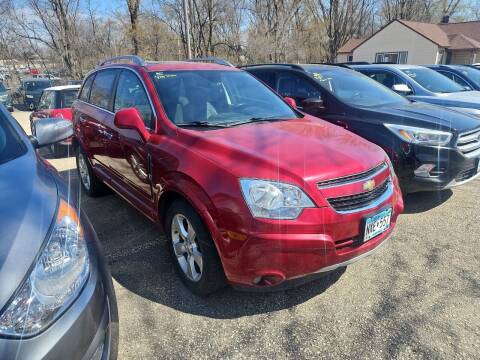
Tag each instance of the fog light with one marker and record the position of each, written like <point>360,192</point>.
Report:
<point>424,170</point>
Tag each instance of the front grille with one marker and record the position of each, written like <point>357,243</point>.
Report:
<point>351,178</point>
<point>469,143</point>
<point>466,174</point>
<point>357,201</point>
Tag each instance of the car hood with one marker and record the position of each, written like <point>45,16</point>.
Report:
<point>429,116</point>
<point>296,150</point>
<point>27,207</point>
<point>465,99</point>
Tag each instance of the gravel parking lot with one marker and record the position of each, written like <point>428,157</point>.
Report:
<point>417,297</point>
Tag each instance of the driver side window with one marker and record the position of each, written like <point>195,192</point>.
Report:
<point>297,88</point>
<point>130,93</point>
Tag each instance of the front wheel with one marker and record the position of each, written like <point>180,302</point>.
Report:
<point>92,185</point>
<point>193,251</point>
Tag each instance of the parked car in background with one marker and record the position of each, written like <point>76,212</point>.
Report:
<point>5,97</point>
<point>431,147</point>
<point>466,76</point>
<point>55,102</point>
<point>249,191</point>
<point>56,297</point>
<point>30,91</point>
<point>419,83</point>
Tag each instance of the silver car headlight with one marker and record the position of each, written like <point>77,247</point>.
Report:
<point>417,135</point>
<point>58,276</point>
<point>274,200</point>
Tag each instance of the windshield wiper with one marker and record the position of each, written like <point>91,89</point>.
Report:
<point>202,124</point>
<point>258,119</point>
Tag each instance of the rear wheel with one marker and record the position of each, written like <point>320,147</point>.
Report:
<point>92,185</point>
<point>193,251</point>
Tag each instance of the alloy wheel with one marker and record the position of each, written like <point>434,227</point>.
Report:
<point>185,246</point>
<point>83,170</point>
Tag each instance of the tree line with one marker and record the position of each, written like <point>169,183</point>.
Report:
<point>74,36</point>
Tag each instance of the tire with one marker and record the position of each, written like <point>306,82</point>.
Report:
<point>94,187</point>
<point>31,106</point>
<point>201,279</point>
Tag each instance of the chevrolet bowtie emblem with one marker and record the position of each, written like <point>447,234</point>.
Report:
<point>369,185</point>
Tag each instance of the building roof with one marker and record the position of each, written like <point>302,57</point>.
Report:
<point>432,32</point>
<point>350,45</point>
<point>455,36</point>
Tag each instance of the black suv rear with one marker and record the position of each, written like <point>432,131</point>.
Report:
<point>431,147</point>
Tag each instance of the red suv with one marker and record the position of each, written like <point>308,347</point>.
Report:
<point>248,190</point>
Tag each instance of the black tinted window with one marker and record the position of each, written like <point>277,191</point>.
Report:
<point>11,146</point>
<point>102,89</point>
<point>85,94</point>
<point>36,85</point>
<point>386,78</point>
<point>267,77</point>
<point>130,93</point>
<point>296,87</point>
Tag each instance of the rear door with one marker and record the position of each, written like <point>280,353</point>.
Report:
<point>129,160</point>
<point>93,111</point>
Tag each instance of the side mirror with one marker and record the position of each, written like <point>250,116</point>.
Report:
<point>290,101</point>
<point>52,130</point>
<point>313,105</point>
<point>130,118</point>
<point>402,89</point>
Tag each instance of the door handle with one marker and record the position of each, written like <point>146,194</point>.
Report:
<point>106,133</point>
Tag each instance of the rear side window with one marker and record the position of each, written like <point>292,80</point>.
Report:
<point>101,92</point>
<point>11,145</point>
<point>85,94</point>
<point>130,93</point>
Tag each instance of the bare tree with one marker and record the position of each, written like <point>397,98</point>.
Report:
<point>133,10</point>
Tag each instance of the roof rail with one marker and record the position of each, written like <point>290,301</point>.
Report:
<point>344,65</point>
<point>293,66</point>
<point>125,59</point>
<point>212,60</point>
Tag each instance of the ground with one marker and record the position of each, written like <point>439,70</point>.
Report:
<point>417,297</point>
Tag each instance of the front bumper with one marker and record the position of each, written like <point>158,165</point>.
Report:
<point>319,241</point>
<point>451,169</point>
<point>88,330</point>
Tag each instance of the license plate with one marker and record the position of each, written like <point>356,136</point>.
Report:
<point>377,224</point>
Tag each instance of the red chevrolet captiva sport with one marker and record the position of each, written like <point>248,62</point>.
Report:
<point>248,190</point>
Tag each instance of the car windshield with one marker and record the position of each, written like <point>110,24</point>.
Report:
<point>355,88</point>
<point>11,146</point>
<point>432,80</point>
<point>217,97</point>
<point>471,73</point>
<point>68,97</point>
<point>36,85</point>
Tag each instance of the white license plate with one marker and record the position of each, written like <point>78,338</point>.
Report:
<point>377,224</point>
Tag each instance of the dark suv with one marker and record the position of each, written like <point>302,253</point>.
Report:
<point>431,147</point>
<point>30,91</point>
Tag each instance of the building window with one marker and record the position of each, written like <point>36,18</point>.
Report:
<point>349,58</point>
<point>392,57</point>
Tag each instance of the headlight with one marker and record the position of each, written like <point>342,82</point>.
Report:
<point>29,96</point>
<point>416,135</point>
<point>57,278</point>
<point>274,200</point>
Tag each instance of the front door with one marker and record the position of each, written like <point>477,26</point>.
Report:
<point>129,160</point>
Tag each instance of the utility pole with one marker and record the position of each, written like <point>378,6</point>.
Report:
<point>187,28</point>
